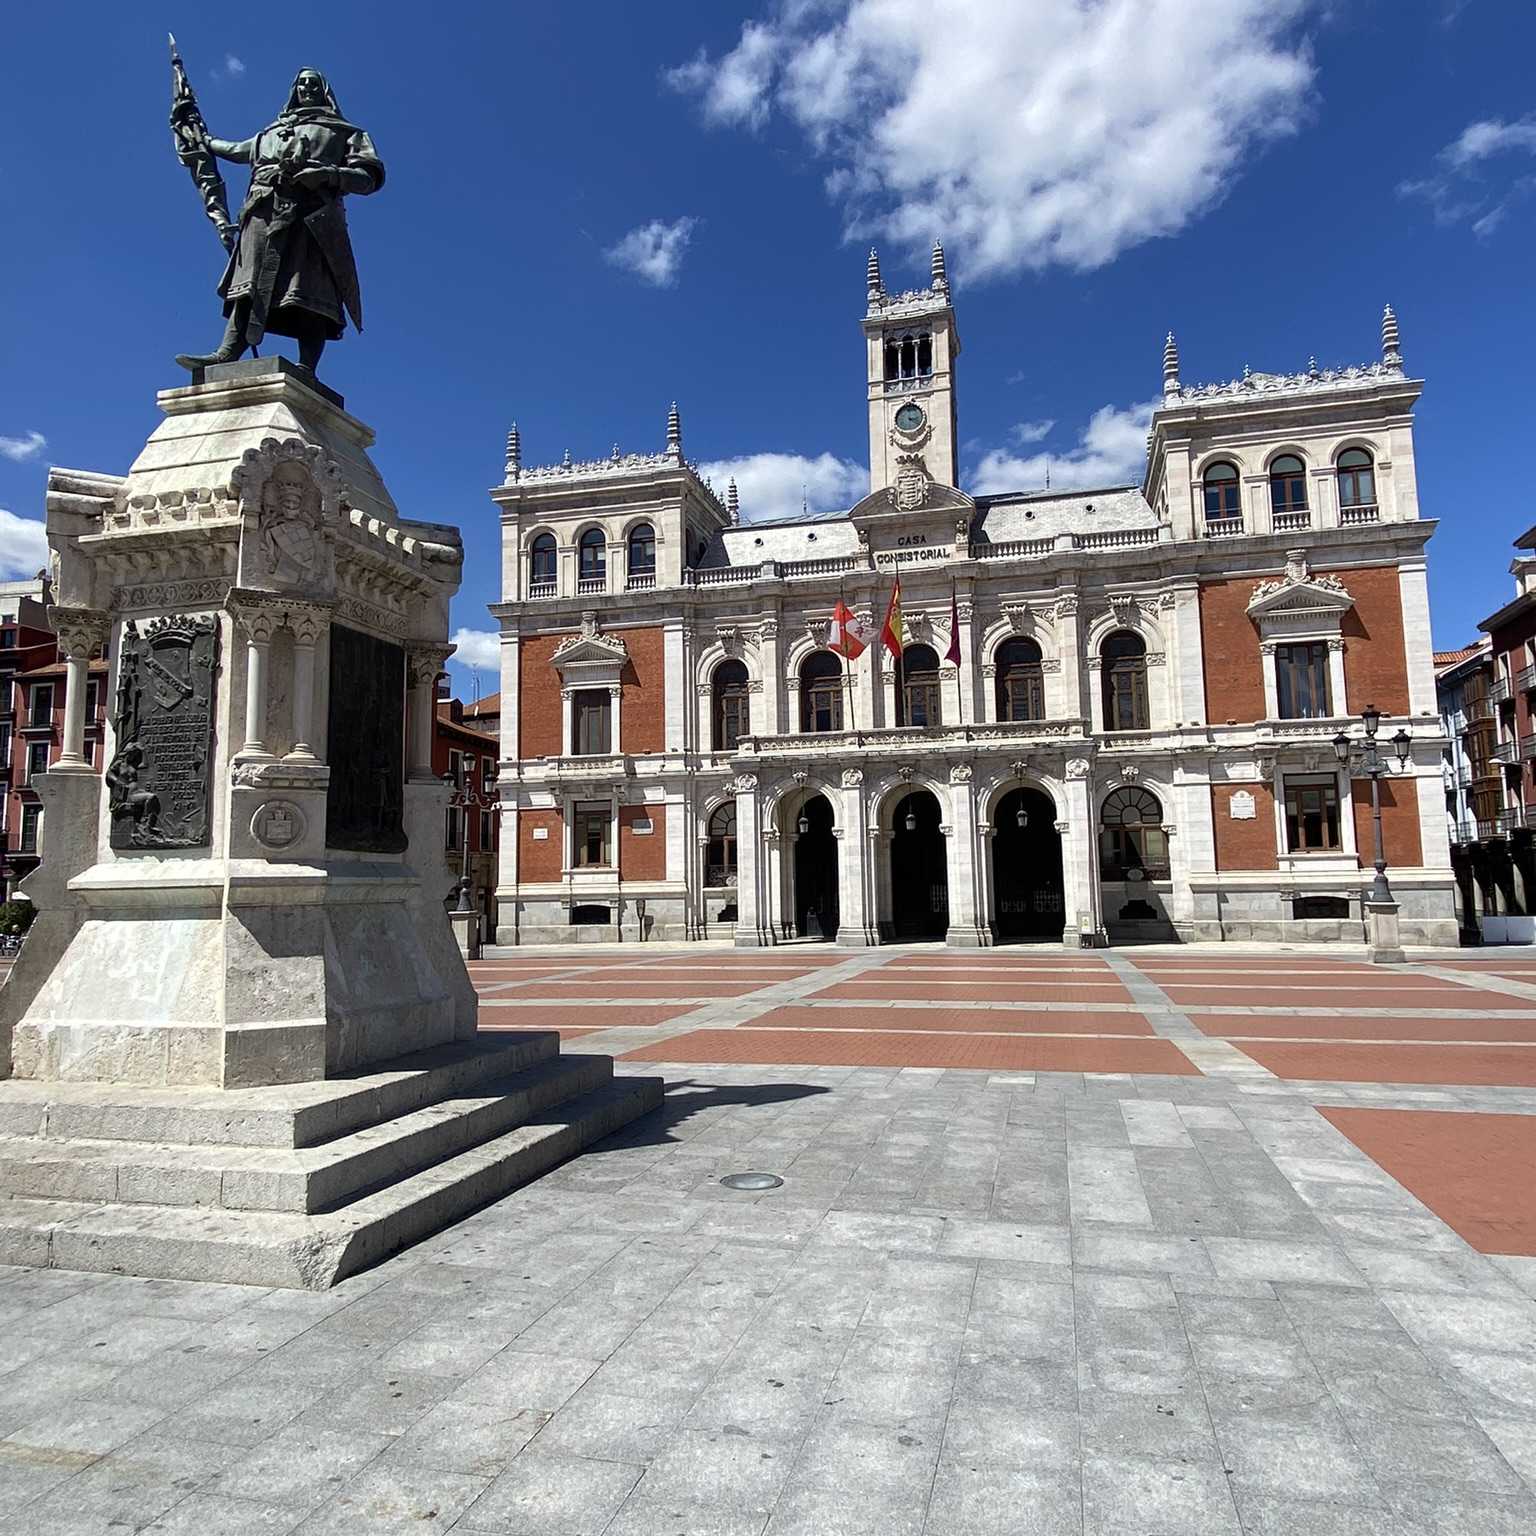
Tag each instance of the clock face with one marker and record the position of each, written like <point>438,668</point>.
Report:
<point>910,417</point>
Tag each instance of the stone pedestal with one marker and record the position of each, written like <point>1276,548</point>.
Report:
<point>466,933</point>
<point>1381,933</point>
<point>242,913</point>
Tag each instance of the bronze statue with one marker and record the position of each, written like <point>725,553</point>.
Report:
<point>291,271</point>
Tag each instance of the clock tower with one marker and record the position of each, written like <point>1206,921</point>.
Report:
<point>912,346</point>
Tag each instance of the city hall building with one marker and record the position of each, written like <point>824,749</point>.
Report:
<point>1137,739</point>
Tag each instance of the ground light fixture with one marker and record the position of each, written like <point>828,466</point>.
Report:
<point>752,1181</point>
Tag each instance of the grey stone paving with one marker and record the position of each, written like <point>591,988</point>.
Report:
<point>1048,1303</point>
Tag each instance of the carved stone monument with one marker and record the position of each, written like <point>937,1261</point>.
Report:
<point>241,1038</point>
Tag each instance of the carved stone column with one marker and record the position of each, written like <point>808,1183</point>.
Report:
<point>752,930</point>
<point>1068,643</point>
<point>308,624</point>
<point>1079,861</point>
<point>424,664</point>
<point>260,623</point>
<point>967,925</point>
<point>81,633</point>
<point>857,921</point>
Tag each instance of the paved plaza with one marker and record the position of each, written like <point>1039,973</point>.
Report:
<point>1156,1241</point>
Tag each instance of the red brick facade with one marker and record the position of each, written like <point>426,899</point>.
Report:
<point>1234,674</point>
<point>642,856</point>
<point>1249,843</point>
<point>539,859</point>
<point>1399,823</point>
<point>538,693</point>
<point>645,701</point>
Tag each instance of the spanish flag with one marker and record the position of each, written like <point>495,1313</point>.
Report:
<point>894,635</point>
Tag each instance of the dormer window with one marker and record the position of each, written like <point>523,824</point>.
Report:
<point>909,356</point>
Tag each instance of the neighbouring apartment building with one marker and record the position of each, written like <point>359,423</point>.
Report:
<point>1488,701</point>
<point>467,756</point>
<point>1135,739</point>
<point>32,721</point>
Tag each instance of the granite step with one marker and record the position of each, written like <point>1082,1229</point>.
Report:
<point>294,1115</point>
<point>312,1252</point>
<point>303,1180</point>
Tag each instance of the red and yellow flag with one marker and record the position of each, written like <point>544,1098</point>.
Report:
<point>849,637</point>
<point>893,636</point>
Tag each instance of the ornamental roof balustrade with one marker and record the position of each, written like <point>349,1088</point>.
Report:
<point>907,740</point>
<point>1315,381</point>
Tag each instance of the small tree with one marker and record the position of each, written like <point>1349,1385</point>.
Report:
<point>16,916</point>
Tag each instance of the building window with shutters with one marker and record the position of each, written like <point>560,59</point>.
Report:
<point>731,705</point>
<point>1302,689</point>
<point>917,697</point>
<point>1123,658</point>
<point>1020,681</point>
<point>593,831</point>
<point>590,722</point>
<point>821,693</point>
<point>1312,815</point>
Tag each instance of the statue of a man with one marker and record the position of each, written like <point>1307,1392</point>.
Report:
<point>291,271</point>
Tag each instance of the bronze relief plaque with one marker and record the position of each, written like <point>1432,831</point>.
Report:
<point>162,717</point>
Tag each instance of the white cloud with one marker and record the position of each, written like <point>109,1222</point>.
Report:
<point>1465,187</point>
<point>477,648</point>
<point>1111,451</point>
<point>654,251</point>
<point>773,485</point>
<point>23,546</point>
<point>233,67</point>
<point>27,446</point>
<point>1023,132</point>
<point>1032,431</point>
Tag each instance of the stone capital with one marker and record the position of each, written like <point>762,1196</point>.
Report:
<point>259,615</point>
<point>425,660</point>
<point>81,631</point>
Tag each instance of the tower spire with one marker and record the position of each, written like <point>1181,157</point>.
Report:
<point>1170,366</point>
<point>674,432</point>
<point>732,501</point>
<point>514,452</point>
<point>872,276</point>
<point>1391,347</point>
<point>940,278</point>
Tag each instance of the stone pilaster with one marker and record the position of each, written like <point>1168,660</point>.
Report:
<point>81,633</point>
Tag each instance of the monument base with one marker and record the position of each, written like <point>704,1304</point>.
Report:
<point>296,1186</point>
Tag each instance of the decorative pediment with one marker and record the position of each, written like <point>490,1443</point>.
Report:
<point>590,659</point>
<point>1299,599</point>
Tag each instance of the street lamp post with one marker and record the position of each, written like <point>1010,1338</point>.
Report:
<point>466,798</point>
<point>1381,905</point>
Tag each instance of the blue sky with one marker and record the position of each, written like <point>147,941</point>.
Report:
<point>593,209</point>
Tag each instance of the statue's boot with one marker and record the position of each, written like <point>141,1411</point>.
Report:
<point>310,348</point>
<point>227,351</point>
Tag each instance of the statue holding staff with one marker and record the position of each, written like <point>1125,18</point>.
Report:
<point>291,271</point>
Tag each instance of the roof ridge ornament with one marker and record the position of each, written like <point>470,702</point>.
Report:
<point>937,274</point>
<point>1391,345</point>
<point>675,432</point>
<point>873,282</point>
<point>732,502</point>
<point>514,452</point>
<point>1171,384</point>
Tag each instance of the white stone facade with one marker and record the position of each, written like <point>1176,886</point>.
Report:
<point>954,828</point>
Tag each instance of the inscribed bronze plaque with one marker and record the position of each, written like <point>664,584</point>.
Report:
<point>162,718</point>
<point>365,745</point>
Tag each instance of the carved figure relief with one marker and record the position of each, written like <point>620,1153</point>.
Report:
<point>290,499</point>
<point>162,718</point>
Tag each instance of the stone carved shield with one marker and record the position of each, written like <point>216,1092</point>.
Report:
<point>910,491</point>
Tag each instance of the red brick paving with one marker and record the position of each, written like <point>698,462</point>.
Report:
<point>601,987</point>
<point>834,1048</point>
<point>1367,1027</point>
<point>597,1015</point>
<point>1471,1066</point>
<point>1334,997</point>
<point>1472,1170</point>
<point>565,1031</point>
<point>993,963</point>
<point>981,991</point>
<point>970,1021</point>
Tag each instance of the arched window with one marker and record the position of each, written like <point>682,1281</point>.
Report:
<point>1287,484</point>
<point>592,556</point>
<point>1124,661</point>
<point>1132,843</point>
<point>918,695</point>
<point>720,860</point>
<point>642,550</point>
<point>1020,681</point>
<point>821,692</point>
<point>728,690</point>
<point>541,563</point>
<point>1223,496</point>
<point>1357,479</point>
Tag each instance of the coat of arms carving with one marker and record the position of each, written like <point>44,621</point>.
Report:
<point>909,492</point>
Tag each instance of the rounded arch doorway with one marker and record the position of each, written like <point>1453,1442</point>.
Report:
<point>919,869</point>
<point>816,914</point>
<point>1028,895</point>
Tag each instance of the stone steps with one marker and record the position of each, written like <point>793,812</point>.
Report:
<point>304,1180</point>
<point>271,1248</point>
<point>295,1185</point>
<point>294,1115</point>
